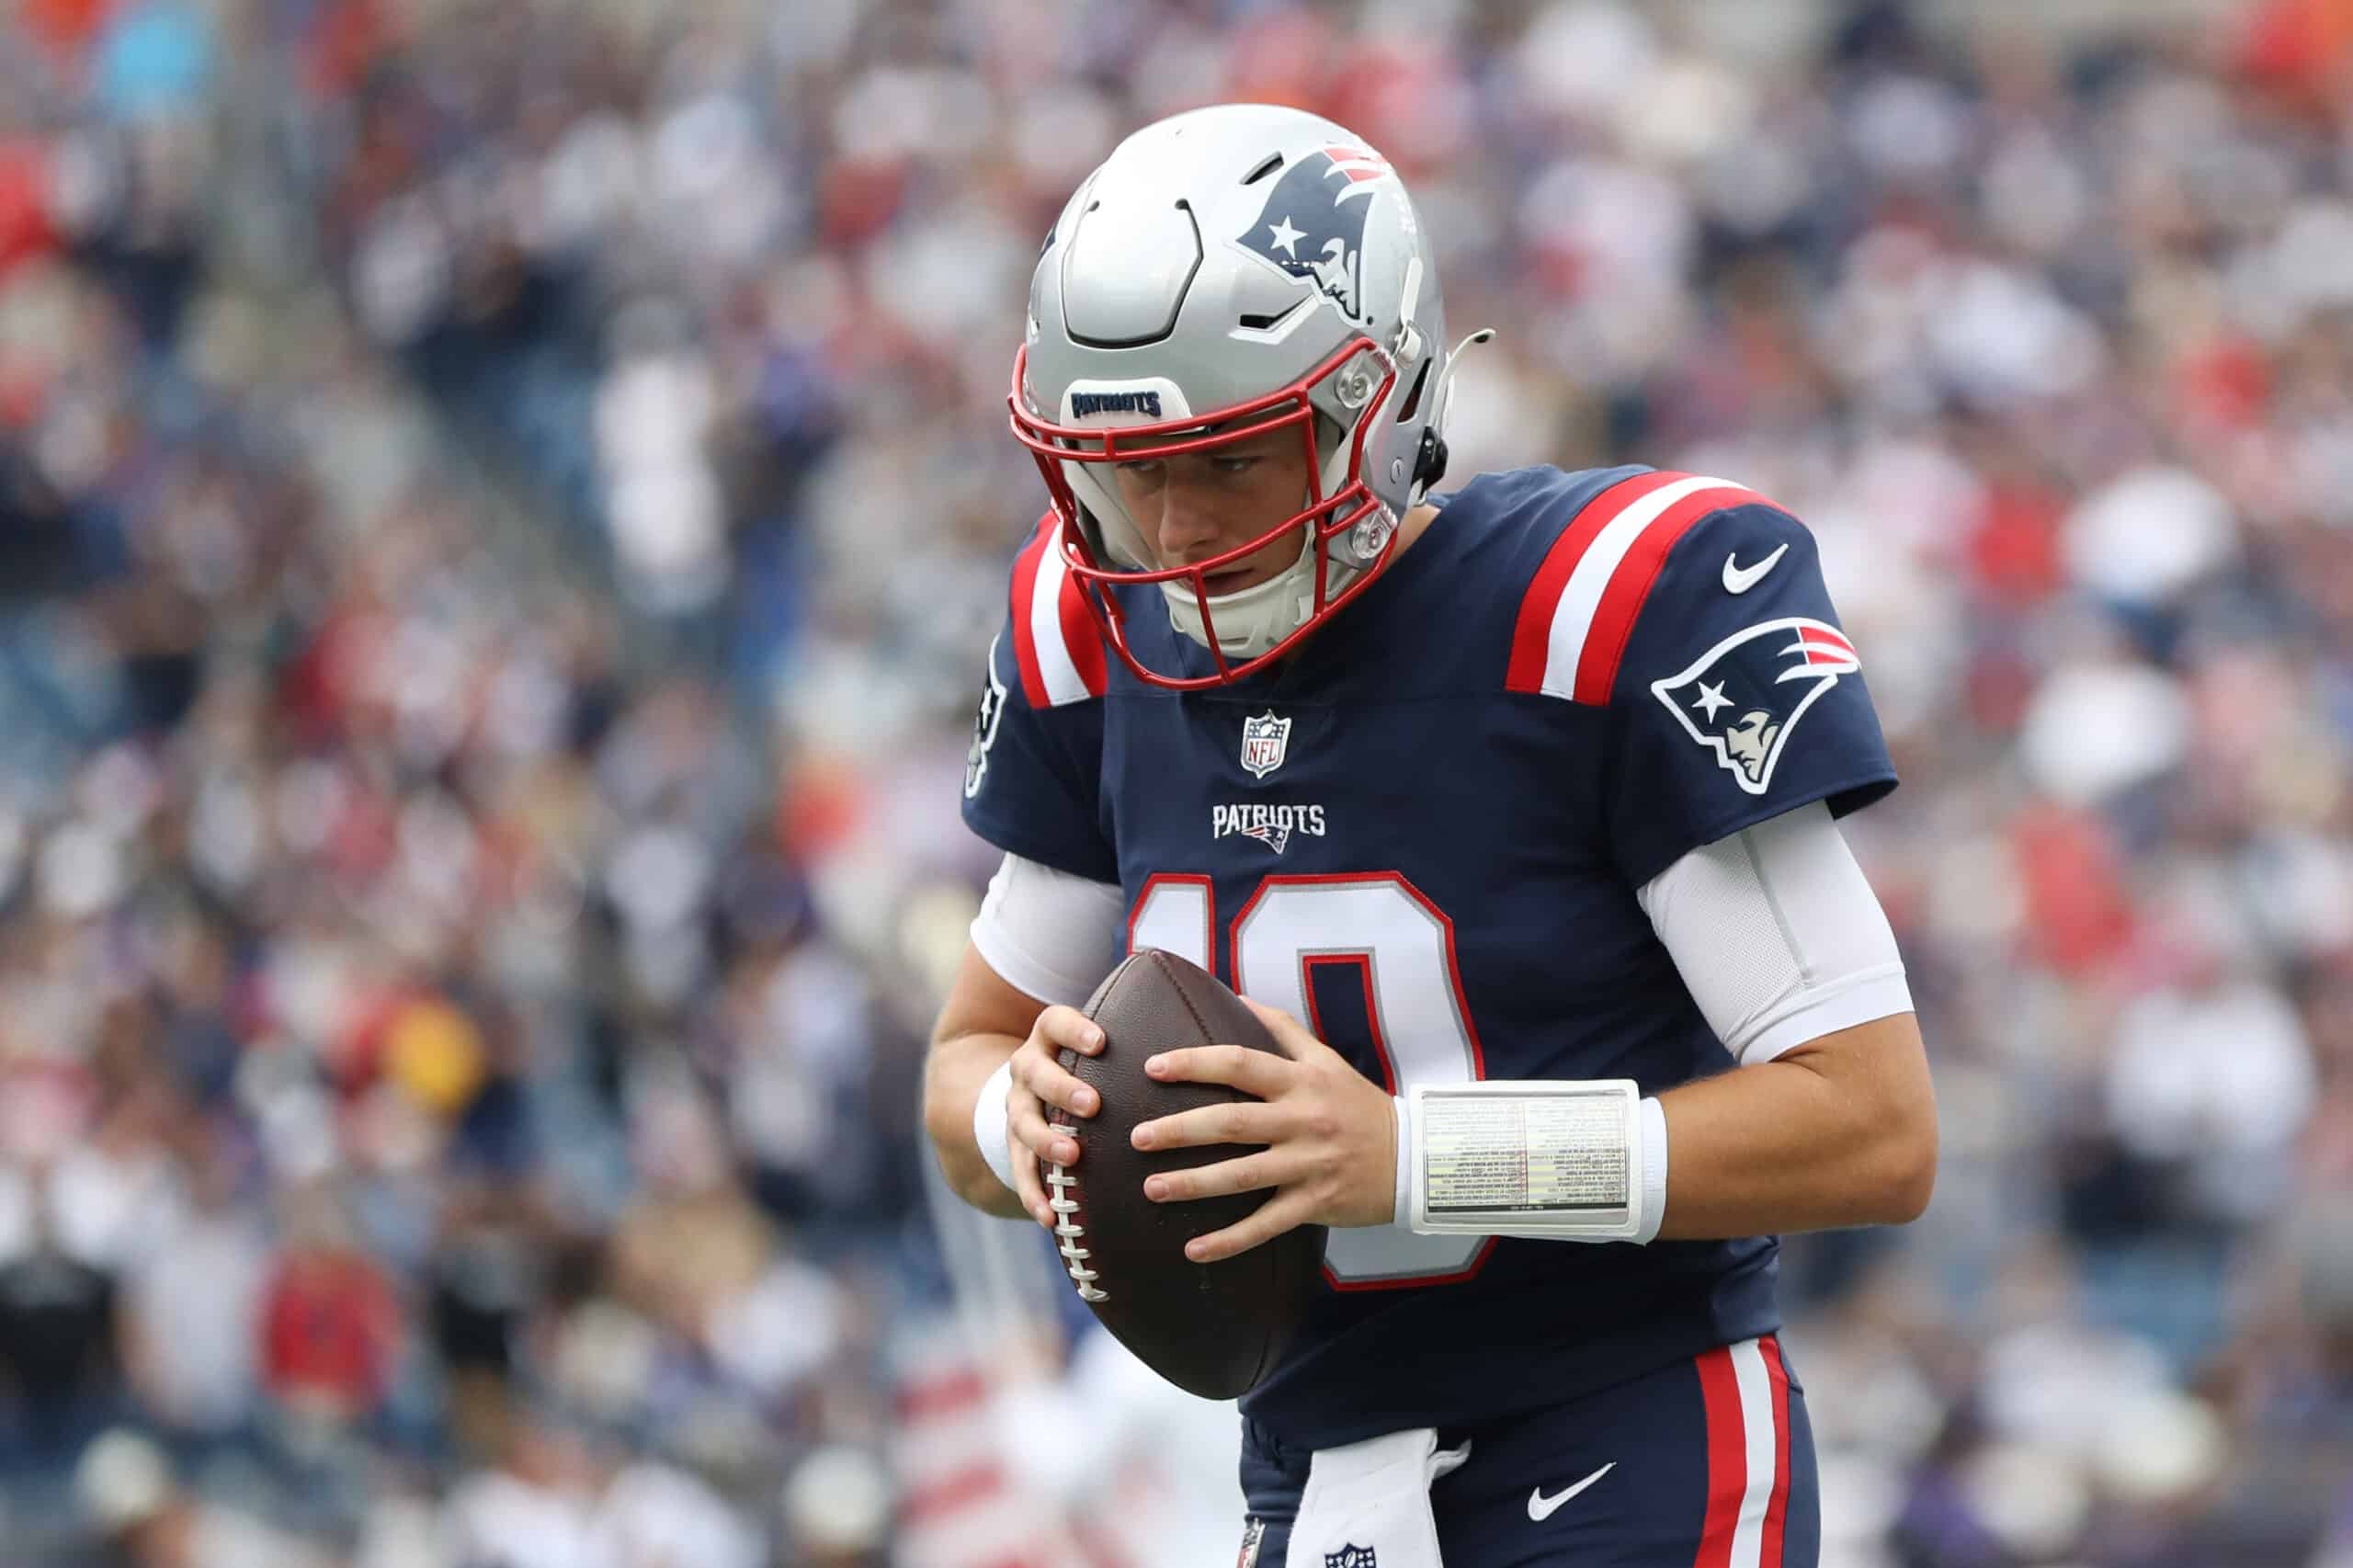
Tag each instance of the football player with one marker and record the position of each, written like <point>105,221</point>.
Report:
<point>1513,808</point>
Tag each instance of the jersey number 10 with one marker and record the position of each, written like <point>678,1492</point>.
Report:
<point>1401,945</point>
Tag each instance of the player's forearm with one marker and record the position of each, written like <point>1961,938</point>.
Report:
<point>953,1075</point>
<point>1802,1143</point>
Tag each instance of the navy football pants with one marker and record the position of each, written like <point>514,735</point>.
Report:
<point>1709,1464</point>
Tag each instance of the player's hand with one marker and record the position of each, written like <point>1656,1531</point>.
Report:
<point>1042,1093</point>
<point>1330,1136</point>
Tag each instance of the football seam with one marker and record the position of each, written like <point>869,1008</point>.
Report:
<point>1177,985</point>
<point>1070,1229</point>
<point>1069,1225</point>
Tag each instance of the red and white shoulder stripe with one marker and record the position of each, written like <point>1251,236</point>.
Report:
<point>1746,1389</point>
<point>1585,598</point>
<point>1054,640</point>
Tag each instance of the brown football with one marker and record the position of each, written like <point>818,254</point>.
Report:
<point>1213,1329</point>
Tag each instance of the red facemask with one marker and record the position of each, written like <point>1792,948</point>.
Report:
<point>1324,517</point>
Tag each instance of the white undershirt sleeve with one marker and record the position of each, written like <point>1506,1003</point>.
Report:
<point>1050,936</point>
<point>1778,935</point>
<point>1047,933</point>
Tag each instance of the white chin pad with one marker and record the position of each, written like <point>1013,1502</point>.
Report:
<point>1252,619</point>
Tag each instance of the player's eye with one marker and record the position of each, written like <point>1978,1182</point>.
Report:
<point>1230,466</point>
<point>1140,468</point>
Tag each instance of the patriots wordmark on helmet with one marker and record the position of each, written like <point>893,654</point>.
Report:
<point>1084,404</point>
<point>1312,223</point>
<point>1742,697</point>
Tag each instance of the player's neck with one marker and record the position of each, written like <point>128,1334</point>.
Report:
<point>1409,529</point>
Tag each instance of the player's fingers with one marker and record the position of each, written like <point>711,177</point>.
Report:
<point>1245,1121</point>
<point>1030,1188</point>
<point>1281,1212</point>
<point>1036,1073</point>
<point>1034,1130</point>
<point>1061,1026</point>
<point>1294,1037</point>
<point>1253,1072</point>
<point>1248,1173</point>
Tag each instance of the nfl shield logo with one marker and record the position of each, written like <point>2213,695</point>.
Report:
<point>1350,1557</point>
<point>1263,742</point>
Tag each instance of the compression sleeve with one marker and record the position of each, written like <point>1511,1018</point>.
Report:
<point>1048,933</point>
<point>1778,935</point>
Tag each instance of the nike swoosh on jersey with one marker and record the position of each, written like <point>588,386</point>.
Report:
<point>1539,1508</point>
<point>1739,579</point>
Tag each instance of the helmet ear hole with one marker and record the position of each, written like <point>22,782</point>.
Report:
<point>1413,398</point>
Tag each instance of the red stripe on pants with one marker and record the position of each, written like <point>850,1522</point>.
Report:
<point>1727,1458</point>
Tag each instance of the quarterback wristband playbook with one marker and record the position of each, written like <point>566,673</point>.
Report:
<point>1575,1161</point>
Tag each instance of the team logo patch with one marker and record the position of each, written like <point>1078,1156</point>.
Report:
<point>1312,223</point>
<point>1253,1530</point>
<point>1351,1556</point>
<point>985,722</point>
<point>1742,697</point>
<point>1264,741</point>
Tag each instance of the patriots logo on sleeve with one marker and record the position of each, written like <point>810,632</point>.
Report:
<point>985,718</point>
<point>1742,697</point>
<point>1313,224</point>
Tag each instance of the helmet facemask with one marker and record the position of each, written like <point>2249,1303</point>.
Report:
<point>1346,532</point>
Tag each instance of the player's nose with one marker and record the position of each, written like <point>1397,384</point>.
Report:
<point>1189,524</point>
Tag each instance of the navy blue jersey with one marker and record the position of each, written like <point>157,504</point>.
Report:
<point>1423,834</point>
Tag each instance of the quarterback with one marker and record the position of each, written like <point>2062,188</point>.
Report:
<point>1512,807</point>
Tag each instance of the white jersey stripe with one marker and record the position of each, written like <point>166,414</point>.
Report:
<point>1055,668</point>
<point>1757,1439</point>
<point>1572,617</point>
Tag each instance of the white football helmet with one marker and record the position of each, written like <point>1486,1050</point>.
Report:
<point>1224,271</point>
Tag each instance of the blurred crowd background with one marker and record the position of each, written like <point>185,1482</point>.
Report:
<point>501,505</point>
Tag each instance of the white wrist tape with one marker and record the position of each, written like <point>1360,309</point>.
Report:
<point>1566,1161</point>
<point>989,1122</point>
<point>1403,1217</point>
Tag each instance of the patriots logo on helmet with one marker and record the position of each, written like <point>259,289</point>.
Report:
<point>1742,697</point>
<point>1312,223</point>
